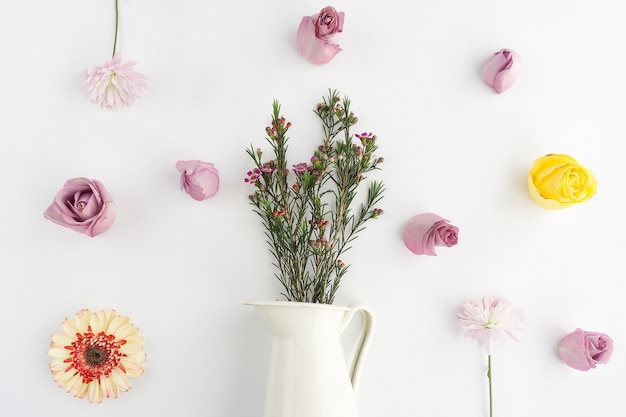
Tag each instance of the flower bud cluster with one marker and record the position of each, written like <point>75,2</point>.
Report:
<point>279,213</point>
<point>321,224</point>
<point>277,129</point>
<point>320,244</point>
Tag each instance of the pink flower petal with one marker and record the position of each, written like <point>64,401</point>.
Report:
<point>198,179</point>
<point>315,50</point>
<point>572,350</point>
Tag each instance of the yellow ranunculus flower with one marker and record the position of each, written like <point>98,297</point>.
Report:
<point>557,181</point>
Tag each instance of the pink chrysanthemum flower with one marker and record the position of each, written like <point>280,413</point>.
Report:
<point>487,320</point>
<point>490,319</point>
<point>115,85</point>
<point>96,355</point>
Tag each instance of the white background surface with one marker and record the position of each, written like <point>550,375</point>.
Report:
<point>181,269</point>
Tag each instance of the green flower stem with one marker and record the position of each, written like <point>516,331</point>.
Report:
<point>117,18</point>
<point>490,391</point>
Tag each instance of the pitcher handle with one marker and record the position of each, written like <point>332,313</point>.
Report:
<point>364,339</point>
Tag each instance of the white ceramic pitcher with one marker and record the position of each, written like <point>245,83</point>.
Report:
<point>308,374</point>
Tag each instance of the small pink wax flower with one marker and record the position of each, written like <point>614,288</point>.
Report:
<point>583,350</point>
<point>301,168</point>
<point>198,179</point>
<point>502,70</point>
<point>83,205</point>
<point>115,85</point>
<point>317,35</point>
<point>425,231</point>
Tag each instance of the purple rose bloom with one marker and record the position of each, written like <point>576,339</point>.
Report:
<point>199,179</point>
<point>583,350</point>
<point>317,35</point>
<point>425,231</point>
<point>502,70</point>
<point>83,205</point>
<point>328,22</point>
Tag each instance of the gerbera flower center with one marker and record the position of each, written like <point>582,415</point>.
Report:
<point>95,355</point>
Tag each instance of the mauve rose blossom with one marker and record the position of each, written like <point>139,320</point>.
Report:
<point>583,350</point>
<point>83,205</point>
<point>425,231</point>
<point>199,179</point>
<point>317,35</point>
<point>502,70</point>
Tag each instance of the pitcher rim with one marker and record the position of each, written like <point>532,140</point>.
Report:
<point>283,303</point>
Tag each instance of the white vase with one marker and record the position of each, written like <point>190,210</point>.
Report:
<point>308,374</point>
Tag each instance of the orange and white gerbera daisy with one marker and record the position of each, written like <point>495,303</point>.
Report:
<point>96,355</point>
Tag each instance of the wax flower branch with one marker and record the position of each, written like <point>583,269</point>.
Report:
<point>307,211</point>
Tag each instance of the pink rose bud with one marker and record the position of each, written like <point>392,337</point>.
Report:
<point>317,35</point>
<point>583,350</point>
<point>83,205</point>
<point>199,179</point>
<point>502,70</point>
<point>425,231</point>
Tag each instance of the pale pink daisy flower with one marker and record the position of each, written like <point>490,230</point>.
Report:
<point>487,320</point>
<point>115,84</point>
<point>490,319</point>
<point>96,354</point>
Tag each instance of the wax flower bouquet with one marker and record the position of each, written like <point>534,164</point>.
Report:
<point>308,209</point>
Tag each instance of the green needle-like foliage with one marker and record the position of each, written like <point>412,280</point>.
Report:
<point>307,209</point>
